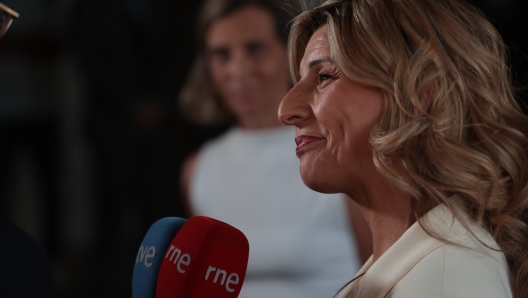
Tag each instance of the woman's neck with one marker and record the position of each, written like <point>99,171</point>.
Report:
<point>386,227</point>
<point>389,215</point>
<point>385,207</point>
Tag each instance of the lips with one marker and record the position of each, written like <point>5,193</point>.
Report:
<point>303,140</point>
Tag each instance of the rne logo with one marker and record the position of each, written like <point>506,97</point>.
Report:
<point>184,260</point>
<point>232,279</point>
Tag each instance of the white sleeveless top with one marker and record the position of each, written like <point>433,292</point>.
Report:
<point>301,244</point>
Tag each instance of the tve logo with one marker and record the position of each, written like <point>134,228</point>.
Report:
<point>150,255</point>
<point>232,279</point>
<point>184,260</point>
<point>145,253</point>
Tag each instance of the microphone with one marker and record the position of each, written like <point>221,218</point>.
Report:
<point>150,255</point>
<point>207,258</point>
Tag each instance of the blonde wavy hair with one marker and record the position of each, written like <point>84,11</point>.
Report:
<point>471,141</point>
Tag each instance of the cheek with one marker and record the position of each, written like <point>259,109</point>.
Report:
<point>354,146</point>
<point>217,73</point>
<point>347,126</point>
<point>334,119</point>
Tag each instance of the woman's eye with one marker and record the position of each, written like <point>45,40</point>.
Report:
<point>322,77</point>
<point>256,48</point>
<point>220,55</point>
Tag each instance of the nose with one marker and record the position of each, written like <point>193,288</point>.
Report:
<point>241,65</point>
<point>295,107</point>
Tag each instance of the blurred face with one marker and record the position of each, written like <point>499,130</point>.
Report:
<point>334,117</point>
<point>248,63</point>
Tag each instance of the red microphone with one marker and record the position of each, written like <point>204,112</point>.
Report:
<point>207,258</point>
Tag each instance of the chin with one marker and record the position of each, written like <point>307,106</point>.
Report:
<point>318,181</point>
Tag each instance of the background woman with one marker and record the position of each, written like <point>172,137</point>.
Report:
<point>406,106</point>
<point>301,242</point>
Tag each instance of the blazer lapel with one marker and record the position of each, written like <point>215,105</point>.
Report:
<point>353,288</point>
<point>380,277</point>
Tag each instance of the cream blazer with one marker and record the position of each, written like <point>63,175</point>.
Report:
<point>420,266</point>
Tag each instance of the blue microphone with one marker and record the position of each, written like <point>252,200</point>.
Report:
<point>150,255</point>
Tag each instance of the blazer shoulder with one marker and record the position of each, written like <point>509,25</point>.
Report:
<point>452,271</point>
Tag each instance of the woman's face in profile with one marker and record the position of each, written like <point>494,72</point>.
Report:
<point>334,117</point>
<point>248,62</point>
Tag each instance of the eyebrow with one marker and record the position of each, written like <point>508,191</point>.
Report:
<point>318,61</point>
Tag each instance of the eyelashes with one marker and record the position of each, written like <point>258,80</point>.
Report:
<point>323,77</point>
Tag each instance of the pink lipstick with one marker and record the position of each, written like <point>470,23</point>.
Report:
<point>303,140</point>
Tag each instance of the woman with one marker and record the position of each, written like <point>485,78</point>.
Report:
<point>406,106</point>
<point>301,241</point>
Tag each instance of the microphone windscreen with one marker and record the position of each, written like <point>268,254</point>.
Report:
<point>207,258</point>
<point>150,255</point>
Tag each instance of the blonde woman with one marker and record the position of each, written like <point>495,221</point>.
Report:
<point>302,243</point>
<point>407,107</point>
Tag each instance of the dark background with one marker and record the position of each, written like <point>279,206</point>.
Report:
<point>91,140</point>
